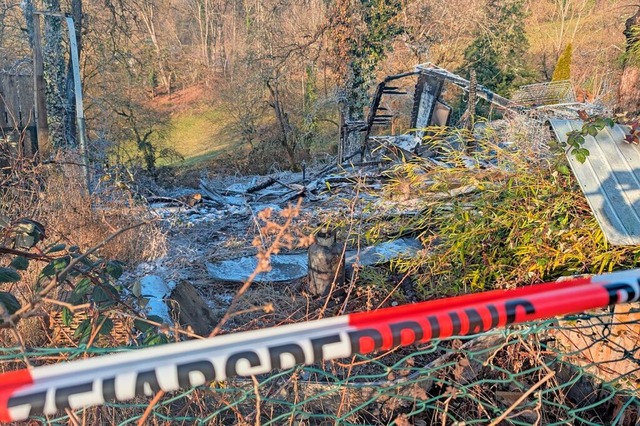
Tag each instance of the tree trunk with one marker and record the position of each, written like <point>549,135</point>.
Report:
<point>629,90</point>
<point>288,140</point>
<point>33,29</point>
<point>148,14</point>
<point>27,12</point>
<point>352,102</point>
<point>54,74</point>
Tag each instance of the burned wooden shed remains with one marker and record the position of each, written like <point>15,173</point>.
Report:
<point>428,107</point>
<point>17,118</point>
<point>608,177</point>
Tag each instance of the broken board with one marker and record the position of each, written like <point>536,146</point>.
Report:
<point>609,178</point>
<point>193,310</point>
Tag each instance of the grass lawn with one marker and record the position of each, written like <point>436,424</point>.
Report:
<point>198,134</point>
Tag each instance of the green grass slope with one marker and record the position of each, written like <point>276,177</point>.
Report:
<point>198,133</point>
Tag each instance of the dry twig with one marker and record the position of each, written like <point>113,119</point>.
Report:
<point>149,409</point>
<point>524,396</point>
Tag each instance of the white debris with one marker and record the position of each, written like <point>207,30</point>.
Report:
<point>240,188</point>
<point>384,252</point>
<point>288,267</point>
<point>407,142</point>
<point>157,307</point>
<point>284,267</point>
<point>153,289</point>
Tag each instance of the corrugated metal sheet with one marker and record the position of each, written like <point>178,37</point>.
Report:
<point>610,178</point>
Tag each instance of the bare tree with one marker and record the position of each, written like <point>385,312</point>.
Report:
<point>434,32</point>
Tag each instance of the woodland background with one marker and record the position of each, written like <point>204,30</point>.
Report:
<point>180,81</point>
<point>187,91</point>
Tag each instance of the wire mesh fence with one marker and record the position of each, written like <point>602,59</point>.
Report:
<point>581,369</point>
<point>538,94</point>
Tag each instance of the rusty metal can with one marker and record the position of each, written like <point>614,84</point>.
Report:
<point>326,264</point>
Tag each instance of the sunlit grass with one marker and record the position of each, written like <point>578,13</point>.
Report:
<point>198,134</point>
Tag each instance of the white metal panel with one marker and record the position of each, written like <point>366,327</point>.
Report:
<point>610,179</point>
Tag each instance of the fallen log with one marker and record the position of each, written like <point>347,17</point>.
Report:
<point>185,200</point>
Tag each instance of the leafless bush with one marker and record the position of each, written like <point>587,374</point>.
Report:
<point>54,195</point>
<point>75,217</point>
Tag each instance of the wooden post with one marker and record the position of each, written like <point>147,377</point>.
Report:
<point>341,139</point>
<point>427,93</point>
<point>471,105</point>
<point>42,128</point>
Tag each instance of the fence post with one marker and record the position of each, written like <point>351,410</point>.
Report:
<point>44,145</point>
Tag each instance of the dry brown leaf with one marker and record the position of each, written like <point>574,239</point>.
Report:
<point>403,420</point>
<point>418,393</point>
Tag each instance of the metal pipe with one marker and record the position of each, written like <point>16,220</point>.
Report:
<point>75,63</point>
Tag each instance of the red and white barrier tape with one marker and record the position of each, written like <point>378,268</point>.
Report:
<point>123,376</point>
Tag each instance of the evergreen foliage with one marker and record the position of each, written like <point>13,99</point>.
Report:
<point>364,45</point>
<point>562,70</point>
<point>362,34</point>
<point>498,51</point>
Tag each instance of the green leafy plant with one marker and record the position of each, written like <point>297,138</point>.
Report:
<point>523,222</point>
<point>591,127</point>
<point>498,50</point>
<point>88,282</point>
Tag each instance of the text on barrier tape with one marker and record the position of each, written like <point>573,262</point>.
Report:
<point>123,376</point>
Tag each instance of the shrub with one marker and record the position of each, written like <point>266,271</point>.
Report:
<point>72,215</point>
<point>47,222</point>
<point>526,221</point>
<point>562,71</point>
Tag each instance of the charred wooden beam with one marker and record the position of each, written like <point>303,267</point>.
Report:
<point>259,187</point>
<point>355,125</point>
<point>185,200</point>
<point>394,92</point>
<point>463,83</point>
<point>375,105</point>
<point>428,90</point>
